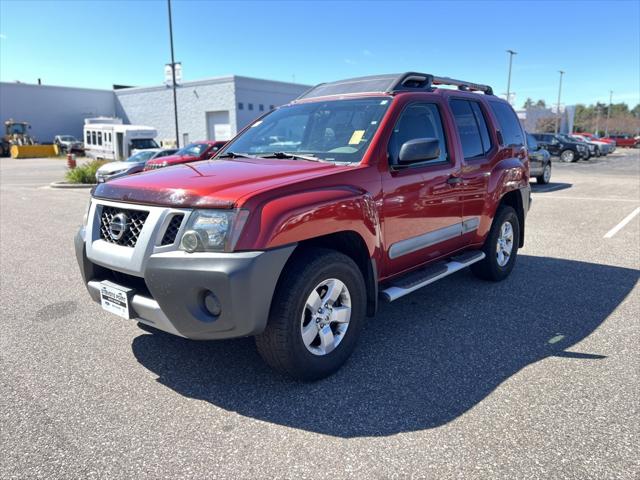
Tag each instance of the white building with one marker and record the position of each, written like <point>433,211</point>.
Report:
<point>213,109</point>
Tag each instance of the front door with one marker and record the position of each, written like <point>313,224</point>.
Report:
<point>421,210</point>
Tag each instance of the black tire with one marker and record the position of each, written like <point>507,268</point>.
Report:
<point>281,344</point>
<point>598,153</point>
<point>587,156</point>
<point>568,156</point>
<point>489,268</point>
<point>546,176</point>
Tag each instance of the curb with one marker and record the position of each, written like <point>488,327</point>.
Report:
<point>71,185</point>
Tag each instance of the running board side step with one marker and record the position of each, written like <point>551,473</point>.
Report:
<point>421,278</point>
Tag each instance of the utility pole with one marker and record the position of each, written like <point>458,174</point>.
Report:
<point>558,106</point>
<point>173,76</point>
<point>606,131</point>
<point>597,118</point>
<point>511,54</point>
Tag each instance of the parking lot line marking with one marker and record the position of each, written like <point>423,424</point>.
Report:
<point>621,225</point>
<point>597,199</point>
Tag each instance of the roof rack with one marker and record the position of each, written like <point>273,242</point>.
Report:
<point>390,83</point>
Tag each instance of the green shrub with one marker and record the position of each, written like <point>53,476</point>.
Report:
<point>84,173</point>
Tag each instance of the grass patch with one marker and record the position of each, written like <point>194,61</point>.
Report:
<point>85,173</point>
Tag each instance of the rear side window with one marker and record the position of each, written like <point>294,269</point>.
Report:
<point>472,128</point>
<point>509,124</point>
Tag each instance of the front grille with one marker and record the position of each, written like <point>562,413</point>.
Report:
<point>134,221</point>
<point>171,232</point>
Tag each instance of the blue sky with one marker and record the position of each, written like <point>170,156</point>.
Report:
<point>98,43</point>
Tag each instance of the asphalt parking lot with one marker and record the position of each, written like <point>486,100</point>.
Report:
<point>535,377</point>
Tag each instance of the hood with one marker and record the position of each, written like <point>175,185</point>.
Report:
<point>111,167</point>
<point>211,183</point>
<point>172,159</point>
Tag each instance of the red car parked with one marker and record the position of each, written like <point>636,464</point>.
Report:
<point>622,140</point>
<point>193,152</point>
<point>359,190</point>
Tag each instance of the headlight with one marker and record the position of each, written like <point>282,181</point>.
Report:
<point>213,230</point>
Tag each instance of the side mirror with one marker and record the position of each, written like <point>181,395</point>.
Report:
<point>419,150</point>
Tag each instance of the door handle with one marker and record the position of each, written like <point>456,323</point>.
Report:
<point>453,180</point>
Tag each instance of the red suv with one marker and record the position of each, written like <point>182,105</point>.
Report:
<point>360,190</point>
<point>191,153</point>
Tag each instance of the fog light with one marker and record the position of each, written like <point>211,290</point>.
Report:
<point>190,241</point>
<point>212,304</point>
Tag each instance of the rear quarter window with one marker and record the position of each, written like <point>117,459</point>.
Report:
<point>509,124</point>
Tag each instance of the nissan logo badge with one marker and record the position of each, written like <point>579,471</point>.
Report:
<point>118,226</point>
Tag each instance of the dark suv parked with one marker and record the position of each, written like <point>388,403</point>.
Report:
<point>539,161</point>
<point>561,146</point>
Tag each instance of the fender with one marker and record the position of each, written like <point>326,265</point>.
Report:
<point>310,214</point>
<point>507,175</point>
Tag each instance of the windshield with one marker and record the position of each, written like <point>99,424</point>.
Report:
<point>68,138</point>
<point>141,156</point>
<point>142,143</point>
<point>338,130</point>
<point>193,150</point>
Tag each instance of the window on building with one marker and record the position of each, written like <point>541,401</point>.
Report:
<point>250,106</point>
<point>261,107</point>
<point>240,106</point>
<point>468,129</point>
<point>272,107</point>
<point>93,138</point>
<point>87,137</point>
<point>509,124</point>
<point>418,120</point>
<point>100,138</point>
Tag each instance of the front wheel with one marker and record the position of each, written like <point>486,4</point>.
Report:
<point>316,315</point>
<point>501,246</point>
<point>568,156</point>
<point>546,175</point>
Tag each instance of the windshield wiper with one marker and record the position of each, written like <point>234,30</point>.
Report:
<point>293,156</point>
<point>235,155</point>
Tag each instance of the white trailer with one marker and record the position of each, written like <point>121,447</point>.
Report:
<point>114,141</point>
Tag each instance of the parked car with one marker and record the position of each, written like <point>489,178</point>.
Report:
<point>592,150</point>
<point>623,140</point>
<point>191,153</point>
<point>539,161</point>
<point>388,184</point>
<point>68,144</point>
<point>134,164</point>
<point>600,147</point>
<point>567,150</point>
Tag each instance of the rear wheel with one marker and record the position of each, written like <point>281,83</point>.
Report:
<point>501,246</point>
<point>546,174</point>
<point>568,156</point>
<point>316,315</point>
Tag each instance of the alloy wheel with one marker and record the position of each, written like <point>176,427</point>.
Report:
<point>504,246</point>
<point>326,315</point>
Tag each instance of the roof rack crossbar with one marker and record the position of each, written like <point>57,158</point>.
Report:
<point>463,85</point>
<point>390,83</point>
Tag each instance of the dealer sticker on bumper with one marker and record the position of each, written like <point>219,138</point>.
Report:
<point>115,300</point>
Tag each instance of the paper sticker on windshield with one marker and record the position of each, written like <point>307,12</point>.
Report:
<point>356,138</point>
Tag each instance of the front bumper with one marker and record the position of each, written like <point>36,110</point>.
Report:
<point>170,294</point>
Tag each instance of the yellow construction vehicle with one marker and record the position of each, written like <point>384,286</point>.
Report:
<point>19,144</point>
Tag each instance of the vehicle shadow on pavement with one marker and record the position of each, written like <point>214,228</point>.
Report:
<point>422,361</point>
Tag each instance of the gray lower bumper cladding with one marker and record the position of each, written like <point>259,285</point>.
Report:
<point>182,290</point>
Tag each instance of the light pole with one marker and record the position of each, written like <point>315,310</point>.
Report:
<point>597,118</point>
<point>511,54</point>
<point>173,76</point>
<point>606,131</point>
<point>558,106</point>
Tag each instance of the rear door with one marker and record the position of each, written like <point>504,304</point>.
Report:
<point>478,151</point>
